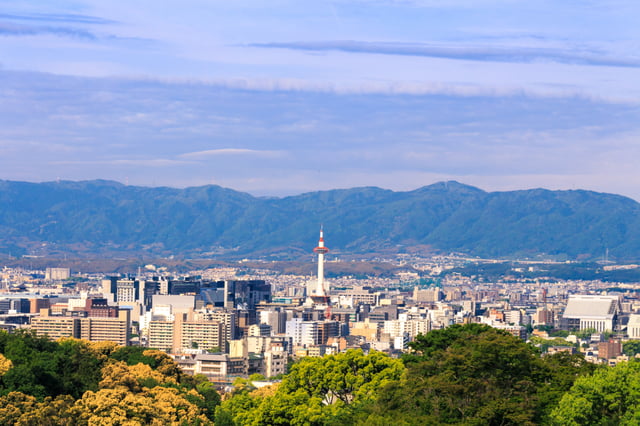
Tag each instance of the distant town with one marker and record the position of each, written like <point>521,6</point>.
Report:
<point>229,322</point>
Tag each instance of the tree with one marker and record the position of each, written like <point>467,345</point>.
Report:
<point>611,396</point>
<point>328,390</point>
<point>133,355</point>
<point>631,347</point>
<point>157,406</point>
<point>560,371</point>
<point>586,333</point>
<point>5,365</point>
<point>34,367</point>
<point>14,405</point>
<point>474,374</point>
<point>77,367</point>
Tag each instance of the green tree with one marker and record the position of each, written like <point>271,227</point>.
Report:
<point>211,398</point>
<point>631,347</point>
<point>328,390</point>
<point>586,333</point>
<point>133,355</point>
<point>34,369</point>
<point>611,396</point>
<point>256,377</point>
<point>77,367</point>
<point>560,371</point>
<point>474,374</point>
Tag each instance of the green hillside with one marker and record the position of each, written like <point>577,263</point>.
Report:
<point>108,217</point>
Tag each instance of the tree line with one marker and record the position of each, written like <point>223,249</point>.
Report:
<point>462,375</point>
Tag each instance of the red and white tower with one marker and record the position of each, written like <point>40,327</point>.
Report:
<point>321,250</point>
<point>319,296</point>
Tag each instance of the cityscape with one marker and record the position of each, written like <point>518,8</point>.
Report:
<point>327,213</point>
<point>225,326</point>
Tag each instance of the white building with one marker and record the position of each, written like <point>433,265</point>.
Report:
<point>592,311</point>
<point>633,327</point>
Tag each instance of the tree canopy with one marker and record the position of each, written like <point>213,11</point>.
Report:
<point>73,381</point>
<point>327,390</point>
<point>611,396</point>
<point>465,374</point>
<point>475,374</point>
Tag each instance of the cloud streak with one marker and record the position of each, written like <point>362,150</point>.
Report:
<point>53,17</point>
<point>198,155</point>
<point>515,54</point>
<point>10,29</point>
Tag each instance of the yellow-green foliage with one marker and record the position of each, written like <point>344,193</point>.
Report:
<point>75,382</point>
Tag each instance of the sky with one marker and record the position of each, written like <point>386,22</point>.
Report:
<point>284,97</point>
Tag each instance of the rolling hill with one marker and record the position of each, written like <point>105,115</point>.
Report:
<point>108,217</point>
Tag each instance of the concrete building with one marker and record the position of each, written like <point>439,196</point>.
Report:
<point>126,290</point>
<point>610,349</point>
<point>160,335</point>
<point>55,327</point>
<point>633,326</point>
<point>411,328</point>
<point>79,325</point>
<point>368,330</point>
<point>202,335</point>
<point>57,274</point>
<point>434,294</point>
<point>101,329</point>
<point>219,368</point>
<point>303,333</point>
<point>588,311</point>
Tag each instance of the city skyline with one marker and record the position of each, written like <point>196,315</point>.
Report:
<point>290,98</point>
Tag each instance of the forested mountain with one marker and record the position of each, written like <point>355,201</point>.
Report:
<point>107,217</point>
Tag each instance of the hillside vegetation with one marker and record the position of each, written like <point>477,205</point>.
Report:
<point>462,375</point>
<point>108,217</point>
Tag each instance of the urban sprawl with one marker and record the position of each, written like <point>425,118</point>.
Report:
<point>223,324</point>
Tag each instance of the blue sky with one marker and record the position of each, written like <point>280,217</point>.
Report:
<point>284,97</point>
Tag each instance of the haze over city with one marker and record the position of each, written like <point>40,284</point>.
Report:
<point>285,97</point>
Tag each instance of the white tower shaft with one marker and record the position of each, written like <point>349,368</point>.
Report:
<point>320,285</point>
<point>320,250</point>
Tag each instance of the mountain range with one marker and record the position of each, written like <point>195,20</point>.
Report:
<point>78,218</point>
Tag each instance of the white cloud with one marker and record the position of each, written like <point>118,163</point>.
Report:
<point>198,155</point>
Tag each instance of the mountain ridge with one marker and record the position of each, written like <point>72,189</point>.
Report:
<point>100,216</point>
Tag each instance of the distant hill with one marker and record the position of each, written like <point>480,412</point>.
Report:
<point>108,217</point>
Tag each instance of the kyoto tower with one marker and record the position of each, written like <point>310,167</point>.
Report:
<point>319,296</point>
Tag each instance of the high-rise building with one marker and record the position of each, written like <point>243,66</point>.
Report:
<point>160,335</point>
<point>126,290</point>
<point>57,274</point>
<point>201,335</point>
<point>99,329</point>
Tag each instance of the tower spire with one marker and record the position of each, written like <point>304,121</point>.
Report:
<point>321,250</point>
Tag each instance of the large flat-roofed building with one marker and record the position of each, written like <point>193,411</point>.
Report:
<point>189,330</point>
<point>100,329</point>
<point>57,274</point>
<point>55,327</point>
<point>202,335</point>
<point>592,312</point>
<point>79,325</point>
